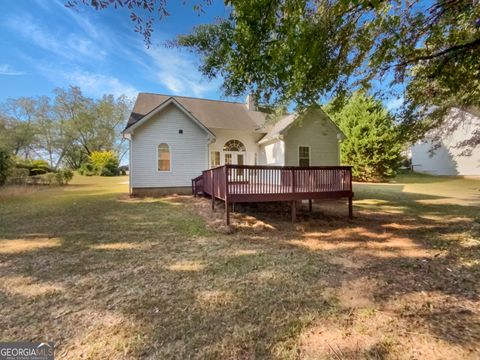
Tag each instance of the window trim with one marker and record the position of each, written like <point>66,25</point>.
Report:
<point>234,140</point>
<point>169,155</point>
<point>309,155</point>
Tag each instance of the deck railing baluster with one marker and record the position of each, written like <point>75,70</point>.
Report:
<point>247,183</point>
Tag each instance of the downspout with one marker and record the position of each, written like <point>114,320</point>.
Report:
<point>129,137</point>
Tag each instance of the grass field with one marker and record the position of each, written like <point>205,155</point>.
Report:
<point>109,277</point>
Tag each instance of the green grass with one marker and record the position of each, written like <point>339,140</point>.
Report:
<point>105,276</point>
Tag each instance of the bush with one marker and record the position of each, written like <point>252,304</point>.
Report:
<point>86,169</point>
<point>61,177</point>
<point>123,169</point>
<point>64,176</point>
<point>17,176</point>
<point>34,167</point>
<point>103,163</point>
<point>6,165</point>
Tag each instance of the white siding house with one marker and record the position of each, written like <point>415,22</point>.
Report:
<point>187,142</point>
<point>453,155</point>
<point>173,138</point>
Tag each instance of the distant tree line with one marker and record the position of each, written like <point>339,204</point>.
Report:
<point>64,130</point>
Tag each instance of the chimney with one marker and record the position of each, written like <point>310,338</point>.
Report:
<point>251,102</point>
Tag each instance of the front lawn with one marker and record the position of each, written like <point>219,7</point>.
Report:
<point>109,277</point>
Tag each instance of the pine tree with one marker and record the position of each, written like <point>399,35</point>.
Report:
<point>372,145</point>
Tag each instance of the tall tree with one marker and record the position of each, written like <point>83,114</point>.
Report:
<point>19,123</point>
<point>65,129</point>
<point>373,143</point>
<point>93,125</point>
<point>300,51</point>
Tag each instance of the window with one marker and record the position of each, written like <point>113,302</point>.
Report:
<point>163,157</point>
<point>234,145</point>
<point>215,158</point>
<point>228,159</point>
<point>303,156</point>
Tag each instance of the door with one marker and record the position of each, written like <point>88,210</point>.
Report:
<point>235,158</point>
<point>240,158</point>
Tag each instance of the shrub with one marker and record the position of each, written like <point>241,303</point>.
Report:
<point>103,163</point>
<point>63,176</point>
<point>34,167</point>
<point>123,169</point>
<point>17,176</point>
<point>86,169</point>
<point>6,165</point>
<point>48,179</point>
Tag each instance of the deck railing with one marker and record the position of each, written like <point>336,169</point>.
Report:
<point>251,183</point>
<point>272,183</point>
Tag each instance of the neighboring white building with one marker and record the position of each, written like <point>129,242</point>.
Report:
<point>174,138</point>
<point>453,156</point>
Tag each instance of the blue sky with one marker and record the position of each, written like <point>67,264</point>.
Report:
<point>45,45</point>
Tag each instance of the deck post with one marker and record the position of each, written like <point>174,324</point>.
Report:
<point>350,207</point>
<point>294,210</point>
<point>213,190</point>
<point>227,204</point>
<point>310,205</point>
<point>227,212</point>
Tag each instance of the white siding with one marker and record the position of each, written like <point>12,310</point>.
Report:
<point>248,138</point>
<point>272,153</point>
<point>318,132</point>
<point>188,150</point>
<point>449,159</point>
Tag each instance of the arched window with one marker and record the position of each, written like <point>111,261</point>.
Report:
<point>163,157</point>
<point>234,145</point>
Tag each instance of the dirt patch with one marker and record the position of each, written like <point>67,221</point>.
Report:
<point>370,334</point>
<point>357,293</point>
<point>106,276</point>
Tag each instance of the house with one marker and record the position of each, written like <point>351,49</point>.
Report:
<point>457,153</point>
<point>174,138</point>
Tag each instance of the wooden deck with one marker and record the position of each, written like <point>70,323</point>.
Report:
<point>246,183</point>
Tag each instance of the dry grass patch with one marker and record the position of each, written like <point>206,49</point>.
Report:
<point>27,286</point>
<point>117,246</point>
<point>106,276</point>
<point>24,245</point>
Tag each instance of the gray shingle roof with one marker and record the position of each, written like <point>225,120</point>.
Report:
<point>211,113</point>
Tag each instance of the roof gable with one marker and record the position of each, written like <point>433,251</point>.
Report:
<point>283,124</point>
<point>211,113</point>
<point>160,108</point>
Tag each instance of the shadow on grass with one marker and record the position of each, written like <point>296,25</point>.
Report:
<point>147,279</point>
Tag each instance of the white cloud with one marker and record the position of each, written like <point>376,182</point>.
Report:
<point>68,46</point>
<point>6,69</point>
<point>97,85</point>
<point>93,84</point>
<point>178,72</point>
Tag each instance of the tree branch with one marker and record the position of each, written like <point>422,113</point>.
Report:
<point>469,45</point>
